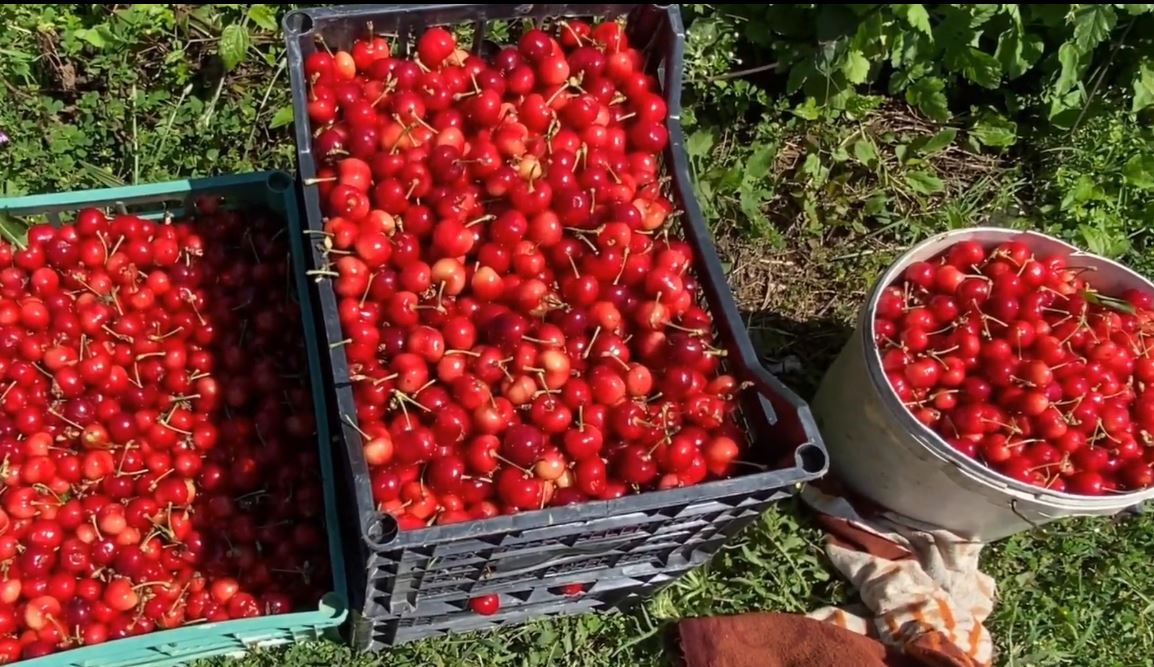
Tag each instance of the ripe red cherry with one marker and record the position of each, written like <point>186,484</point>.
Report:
<point>520,491</point>
<point>486,605</point>
<point>435,45</point>
<point>636,466</point>
<point>1086,483</point>
<point>522,444</point>
<point>444,475</point>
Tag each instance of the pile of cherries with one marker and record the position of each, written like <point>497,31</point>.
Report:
<point>521,329</point>
<point>1018,362</point>
<point>157,439</point>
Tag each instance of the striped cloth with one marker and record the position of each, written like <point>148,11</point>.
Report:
<point>921,589</point>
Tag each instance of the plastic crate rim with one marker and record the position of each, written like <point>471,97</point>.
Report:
<point>811,463</point>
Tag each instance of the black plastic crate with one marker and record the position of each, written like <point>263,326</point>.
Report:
<point>418,583</point>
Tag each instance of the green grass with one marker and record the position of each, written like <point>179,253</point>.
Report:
<point>807,213</point>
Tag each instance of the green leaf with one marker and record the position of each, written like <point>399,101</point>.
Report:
<point>955,37</point>
<point>812,165</point>
<point>1092,25</point>
<point>263,16</point>
<point>1134,10</point>
<point>282,117</point>
<point>859,106</point>
<point>95,36</point>
<point>856,67</point>
<point>982,68</point>
<point>865,152</point>
<point>877,205</point>
<point>1097,241</point>
<point>808,110</point>
<point>1017,52</point>
<point>752,203</point>
<point>926,94</point>
<point>924,182</point>
<point>1071,59</point>
<point>1099,299</point>
<point>13,230</point>
<point>916,16</point>
<point>995,130</point>
<point>1144,87</point>
<point>1139,171</point>
<point>757,167</point>
<point>1084,190</point>
<point>234,43</point>
<point>799,74</point>
<point>699,143</point>
<point>943,138</point>
<point>980,14</point>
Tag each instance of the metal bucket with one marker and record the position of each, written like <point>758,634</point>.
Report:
<point>881,452</point>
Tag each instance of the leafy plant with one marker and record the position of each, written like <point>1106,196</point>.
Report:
<point>711,63</point>
<point>1038,59</point>
<point>103,95</point>
<point>1095,186</point>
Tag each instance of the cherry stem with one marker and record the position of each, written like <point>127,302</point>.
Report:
<point>477,221</point>
<point>621,271</point>
<point>506,461</point>
<point>616,358</point>
<point>585,239</point>
<point>403,398</point>
<point>116,246</point>
<point>592,338</point>
<point>692,332</point>
<point>159,338</point>
<point>379,381</point>
<point>368,286</point>
<point>64,419</point>
<point>170,427</point>
<point>553,97</point>
<point>759,466</point>
<point>349,420</point>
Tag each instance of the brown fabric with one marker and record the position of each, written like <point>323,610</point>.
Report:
<point>936,650</point>
<point>782,640</point>
<point>843,533</point>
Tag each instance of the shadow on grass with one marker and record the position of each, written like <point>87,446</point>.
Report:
<point>797,352</point>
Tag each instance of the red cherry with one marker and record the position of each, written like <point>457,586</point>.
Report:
<point>486,605</point>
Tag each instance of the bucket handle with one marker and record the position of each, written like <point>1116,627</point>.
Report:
<point>1033,524</point>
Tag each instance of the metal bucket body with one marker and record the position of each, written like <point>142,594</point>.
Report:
<point>881,452</point>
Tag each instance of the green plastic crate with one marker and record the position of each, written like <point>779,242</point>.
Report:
<point>277,191</point>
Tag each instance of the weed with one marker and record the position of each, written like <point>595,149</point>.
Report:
<point>142,93</point>
<point>1095,186</point>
